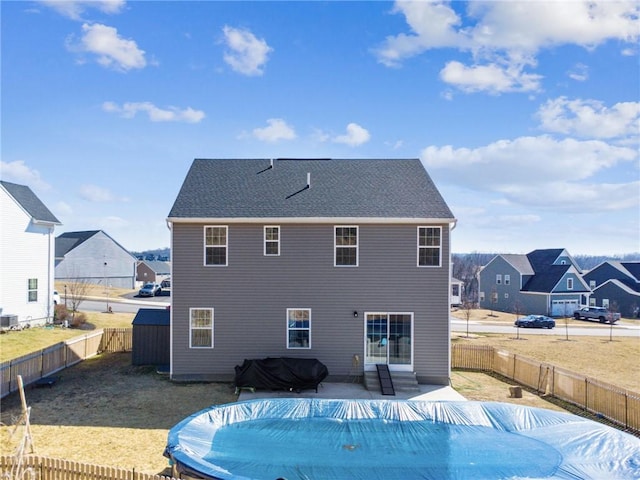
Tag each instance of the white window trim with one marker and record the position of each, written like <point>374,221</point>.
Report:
<point>205,246</point>
<point>569,283</point>
<point>271,241</point>
<point>32,290</point>
<point>499,279</point>
<point>439,247</point>
<point>198,347</point>
<point>507,279</point>
<point>308,347</point>
<point>356,246</point>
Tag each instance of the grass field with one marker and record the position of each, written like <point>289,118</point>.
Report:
<point>106,411</point>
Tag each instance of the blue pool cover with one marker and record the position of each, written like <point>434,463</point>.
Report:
<point>387,439</point>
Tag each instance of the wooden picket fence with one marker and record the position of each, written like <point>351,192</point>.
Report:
<point>617,405</point>
<point>50,360</point>
<point>35,467</point>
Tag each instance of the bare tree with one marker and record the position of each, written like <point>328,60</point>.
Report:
<point>493,299</point>
<point>565,313</point>
<point>467,306</point>
<point>518,309</point>
<point>76,292</point>
<point>612,309</point>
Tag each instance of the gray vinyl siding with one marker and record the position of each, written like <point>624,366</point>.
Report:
<point>625,302</point>
<point>250,297</point>
<point>508,295</point>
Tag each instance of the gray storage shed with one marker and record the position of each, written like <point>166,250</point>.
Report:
<point>151,337</point>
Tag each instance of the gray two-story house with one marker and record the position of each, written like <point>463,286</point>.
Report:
<point>543,282</point>
<point>616,285</point>
<point>344,261</point>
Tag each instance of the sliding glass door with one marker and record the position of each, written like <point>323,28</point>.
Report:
<point>388,339</point>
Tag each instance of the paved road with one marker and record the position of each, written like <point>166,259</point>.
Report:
<point>589,329</point>
<point>124,306</point>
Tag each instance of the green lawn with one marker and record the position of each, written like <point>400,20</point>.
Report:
<point>14,344</point>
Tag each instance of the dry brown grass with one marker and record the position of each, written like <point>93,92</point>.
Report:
<point>107,412</point>
<point>615,362</point>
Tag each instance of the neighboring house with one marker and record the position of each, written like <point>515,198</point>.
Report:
<point>26,257</point>
<point>546,282</point>
<point>344,261</point>
<point>94,257</point>
<point>152,271</point>
<point>616,285</point>
<point>457,292</point>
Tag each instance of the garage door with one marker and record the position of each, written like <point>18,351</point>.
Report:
<point>560,308</point>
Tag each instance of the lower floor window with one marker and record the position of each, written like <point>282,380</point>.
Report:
<point>298,328</point>
<point>201,328</point>
<point>32,289</point>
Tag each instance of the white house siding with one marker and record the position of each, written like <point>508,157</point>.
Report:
<point>250,297</point>
<point>26,251</point>
<point>87,262</point>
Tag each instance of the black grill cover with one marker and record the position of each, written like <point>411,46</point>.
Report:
<point>281,373</point>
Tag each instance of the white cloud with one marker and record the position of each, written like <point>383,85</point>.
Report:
<point>579,72</point>
<point>538,170</point>
<point>492,78</point>
<point>246,54</point>
<point>96,194</point>
<point>590,118</point>
<point>355,136</point>
<point>112,50</point>
<point>504,37</point>
<point>18,172</point>
<point>276,130</point>
<point>155,114</point>
<point>75,8</point>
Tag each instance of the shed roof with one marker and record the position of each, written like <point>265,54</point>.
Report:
<point>28,200</point>
<point>152,316</point>
<point>338,188</point>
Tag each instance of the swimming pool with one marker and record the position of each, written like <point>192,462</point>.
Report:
<point>403,439</point>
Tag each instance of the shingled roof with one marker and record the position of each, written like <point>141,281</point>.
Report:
<point>31,204</point>
<point>337,188</point>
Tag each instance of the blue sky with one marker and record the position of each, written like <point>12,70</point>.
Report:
<point>525,114</point>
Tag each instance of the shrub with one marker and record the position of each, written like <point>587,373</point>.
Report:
<point>60,314</point>
<point>77,320</point>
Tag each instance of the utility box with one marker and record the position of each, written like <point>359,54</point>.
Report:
<point>8,321</point>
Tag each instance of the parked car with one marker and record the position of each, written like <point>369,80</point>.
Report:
<point>601,314</point>
<point>535,321</point>
<point>150,290</point>
<point>166,283</point>
<point>56,297</point>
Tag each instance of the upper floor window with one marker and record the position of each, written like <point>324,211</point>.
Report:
<point>215,245</point>
<point>429,246</point>
<point>592,284</point>
<point>201,328</point>
<point>569,283</point>
<point>272,241</point>
<point>32,289</point>
<point>298,328</point>
<point>507,279</point>
<point>346,246</point>
<point>498,279</point>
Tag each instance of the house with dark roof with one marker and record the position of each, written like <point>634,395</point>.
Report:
<point>343,261</point>
<point>543,282</point>
<point>26,257</point>
<point>615,285</point>
<point>94,257</point>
